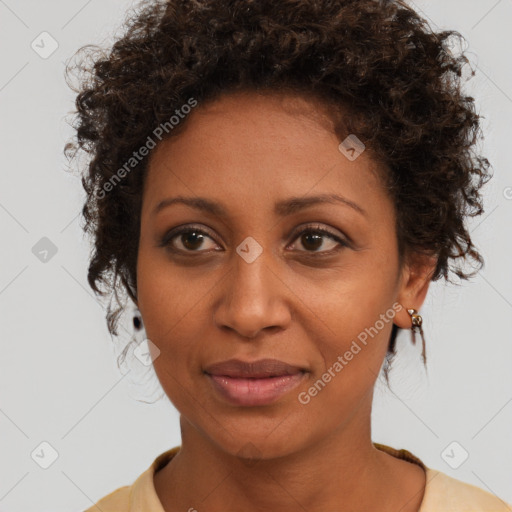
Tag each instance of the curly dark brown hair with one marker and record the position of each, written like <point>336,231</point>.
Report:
<point>378,60</point>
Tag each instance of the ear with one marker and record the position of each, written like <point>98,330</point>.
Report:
<point>414,283</point>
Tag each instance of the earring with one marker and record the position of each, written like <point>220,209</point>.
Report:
<point>417,321</point>
<point>137,321</point>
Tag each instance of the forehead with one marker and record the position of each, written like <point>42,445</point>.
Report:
<point>251,148</point>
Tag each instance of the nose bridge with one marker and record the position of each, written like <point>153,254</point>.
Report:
<point>250,300</point>
<point>251,271</point>
<point>251,266</point>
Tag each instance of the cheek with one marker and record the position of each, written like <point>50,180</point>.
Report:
<point>159,304</point>
<point>166,296</point>
<point>353,302</point>
<point>349,368</point>
<point>357,314</point>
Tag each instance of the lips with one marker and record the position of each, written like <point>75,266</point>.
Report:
<point>255,383</point>
<point>261,369</point>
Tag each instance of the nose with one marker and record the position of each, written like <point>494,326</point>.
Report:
<point>252,297</point>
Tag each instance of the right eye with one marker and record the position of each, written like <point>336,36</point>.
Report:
<point>185,239</point>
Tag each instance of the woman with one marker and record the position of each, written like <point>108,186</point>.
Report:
<point>275,185</point>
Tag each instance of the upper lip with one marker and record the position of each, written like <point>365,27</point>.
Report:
<point>263,368</point>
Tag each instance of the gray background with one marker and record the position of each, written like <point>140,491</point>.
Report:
<point>59,382</point>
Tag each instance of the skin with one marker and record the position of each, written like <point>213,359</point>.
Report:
<point>247,151</point>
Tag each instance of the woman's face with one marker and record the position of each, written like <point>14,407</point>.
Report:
<point>255,279</point>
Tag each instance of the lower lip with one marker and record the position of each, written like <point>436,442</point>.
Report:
<point>252,392</point>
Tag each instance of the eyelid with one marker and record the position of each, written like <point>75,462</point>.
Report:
<point>315,226</point>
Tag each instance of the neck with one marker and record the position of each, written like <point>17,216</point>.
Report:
<point>341,472</point>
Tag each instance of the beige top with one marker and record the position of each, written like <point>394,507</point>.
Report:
<point>442,493</point>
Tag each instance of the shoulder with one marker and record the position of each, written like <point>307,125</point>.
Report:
<point>116,501</point>
<point>444,493</point>
<point>141,495</point>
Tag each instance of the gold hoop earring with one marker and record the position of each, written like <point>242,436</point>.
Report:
<point>417,321</point>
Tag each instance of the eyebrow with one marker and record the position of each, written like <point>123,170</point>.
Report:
<point>281,208</point>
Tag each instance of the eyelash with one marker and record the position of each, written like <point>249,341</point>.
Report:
<point>311,229</point>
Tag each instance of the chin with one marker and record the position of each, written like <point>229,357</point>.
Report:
<point>253,443</point>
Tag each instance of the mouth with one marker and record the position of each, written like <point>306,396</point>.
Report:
<point>254,383</point>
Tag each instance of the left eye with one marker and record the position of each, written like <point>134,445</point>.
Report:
<point>314,237</point>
